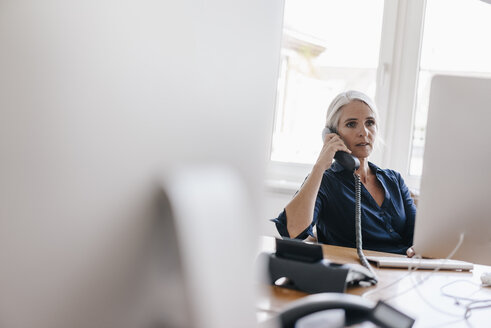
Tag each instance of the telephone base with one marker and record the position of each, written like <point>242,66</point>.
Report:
<point>316,277</point>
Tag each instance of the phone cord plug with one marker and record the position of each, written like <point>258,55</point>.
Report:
<point>359,246</point>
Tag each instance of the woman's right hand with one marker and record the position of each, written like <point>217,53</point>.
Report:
<point>332,144</point>
<point>300,210</point>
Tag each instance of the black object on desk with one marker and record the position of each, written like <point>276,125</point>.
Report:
<point>304,267</point>
<point>311,310</point>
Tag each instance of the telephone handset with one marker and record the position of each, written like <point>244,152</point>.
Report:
<point>317,311</point>
<point>348,161</point>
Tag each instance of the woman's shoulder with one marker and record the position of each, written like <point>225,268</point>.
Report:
<point>392,174</point>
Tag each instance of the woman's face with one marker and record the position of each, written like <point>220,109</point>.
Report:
<point>358,128</point>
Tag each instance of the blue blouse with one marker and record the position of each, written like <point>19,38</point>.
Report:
<point>385,228</point>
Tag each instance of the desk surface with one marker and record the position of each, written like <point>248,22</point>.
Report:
<point>426,303</point>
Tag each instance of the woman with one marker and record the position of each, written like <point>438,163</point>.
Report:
<point>327,197</point>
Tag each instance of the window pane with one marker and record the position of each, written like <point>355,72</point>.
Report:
<point>456,40</point>
<point>328,47</point>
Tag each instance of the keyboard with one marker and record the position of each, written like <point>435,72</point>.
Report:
<point>406,262</point>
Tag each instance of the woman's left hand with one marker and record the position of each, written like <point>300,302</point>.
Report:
<point>410,252</point>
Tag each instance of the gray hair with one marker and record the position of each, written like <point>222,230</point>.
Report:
<point>344,98</point>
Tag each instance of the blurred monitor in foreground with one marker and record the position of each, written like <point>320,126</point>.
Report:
<point>100,101</point>
<point>455,184</point>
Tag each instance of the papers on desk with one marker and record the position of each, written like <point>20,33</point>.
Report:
<point>406,262</point>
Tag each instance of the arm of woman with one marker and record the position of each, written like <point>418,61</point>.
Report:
<point>300,210</point>
<point>410,211</point>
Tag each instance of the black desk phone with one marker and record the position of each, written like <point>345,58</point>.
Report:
<point>305,269</point>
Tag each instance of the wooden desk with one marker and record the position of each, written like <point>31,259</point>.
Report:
<point>426,303</point>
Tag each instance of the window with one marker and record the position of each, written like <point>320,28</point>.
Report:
<point>390,50</point>
<point>455,41</point>
<point>328,47</point>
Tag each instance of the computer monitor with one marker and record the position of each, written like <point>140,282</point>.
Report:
<point>455,184</point>
<point>100,102</point>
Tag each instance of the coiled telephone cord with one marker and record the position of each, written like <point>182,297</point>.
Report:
<point>359,246</point>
